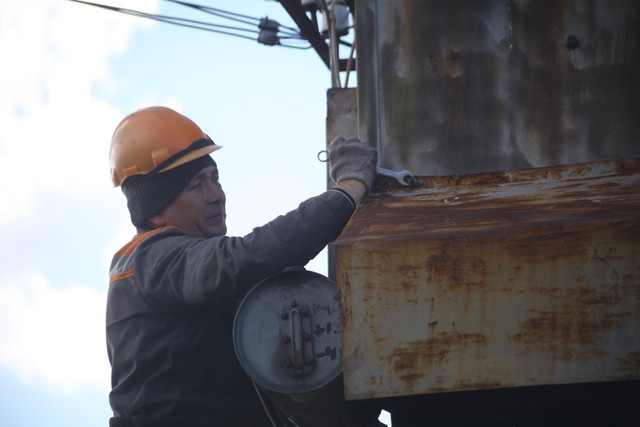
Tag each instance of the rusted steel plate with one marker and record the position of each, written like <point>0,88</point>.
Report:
<point>464,86</point>
<point>493,280</point>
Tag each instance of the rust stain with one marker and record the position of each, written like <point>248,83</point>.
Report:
<point>564,334</point>
<point>345,281</point>
<point>456,268</point>
<point>539,267</point>
<point>411,379</point>
<point>542,197</point>
<point>479,385</point>
<point>416,355</point>
<point>604,296</point>
<point>627,364</point>
<point>372,381</point>
<point>567,173</point>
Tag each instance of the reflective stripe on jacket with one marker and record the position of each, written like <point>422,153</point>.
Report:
<point>171,303</point>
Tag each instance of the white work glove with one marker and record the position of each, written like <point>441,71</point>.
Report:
<point>352,159</point>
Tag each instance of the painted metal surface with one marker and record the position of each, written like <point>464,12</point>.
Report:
<point>342,120</point>
<point>287,332</point>
<point>467,86</point>
<point>342,113</point>
<point>493,280</point>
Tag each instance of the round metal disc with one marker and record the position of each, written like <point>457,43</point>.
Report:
<point>261,330</point>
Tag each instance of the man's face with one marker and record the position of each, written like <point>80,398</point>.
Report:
<point>200,207</point>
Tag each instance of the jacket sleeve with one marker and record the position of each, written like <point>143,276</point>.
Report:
<point>210,271</point>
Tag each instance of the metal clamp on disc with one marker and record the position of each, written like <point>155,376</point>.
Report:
<point>296,343</point>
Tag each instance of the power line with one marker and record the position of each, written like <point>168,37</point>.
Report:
<point>268,31</point>
<point>228,15</point>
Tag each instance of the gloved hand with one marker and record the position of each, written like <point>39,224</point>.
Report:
<point>352,159</point>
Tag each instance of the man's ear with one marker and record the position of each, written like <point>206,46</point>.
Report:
<point>156,221</point>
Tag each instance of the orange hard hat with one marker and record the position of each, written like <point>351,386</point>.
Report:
<point>154,140</point>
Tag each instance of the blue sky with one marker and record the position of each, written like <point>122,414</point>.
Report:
<point>69,74</point>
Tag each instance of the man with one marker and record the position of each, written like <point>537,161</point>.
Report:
<point>175,287</point>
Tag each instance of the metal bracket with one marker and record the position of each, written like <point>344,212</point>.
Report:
<point>296,340</point>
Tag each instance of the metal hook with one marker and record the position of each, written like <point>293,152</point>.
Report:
<point>325,154</point>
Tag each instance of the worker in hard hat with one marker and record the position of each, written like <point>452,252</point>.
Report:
<point>174,288</point>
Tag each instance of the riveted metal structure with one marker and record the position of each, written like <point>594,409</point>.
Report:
<point>497,280</point>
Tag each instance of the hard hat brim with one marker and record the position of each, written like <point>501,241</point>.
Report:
<point>192,155</point>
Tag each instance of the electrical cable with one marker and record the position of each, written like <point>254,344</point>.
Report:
<point>172,20</point>
<point>202,25</point>
<point>349,62</point>
<point>333,45</point>
<point>264,404</point>
<point>224,13</point>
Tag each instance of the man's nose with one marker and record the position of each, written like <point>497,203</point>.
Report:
<point>214,192</point>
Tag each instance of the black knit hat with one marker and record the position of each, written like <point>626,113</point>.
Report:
<point>150,194</point>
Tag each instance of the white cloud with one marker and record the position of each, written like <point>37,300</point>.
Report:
<point>54,140</point>
<point>53,336</point>
<point>52,131</point>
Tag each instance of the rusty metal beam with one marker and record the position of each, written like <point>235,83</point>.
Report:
<point>308,30</point>
<point>351,5</point>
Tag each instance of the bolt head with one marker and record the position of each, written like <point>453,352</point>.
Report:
<point>572,42</point>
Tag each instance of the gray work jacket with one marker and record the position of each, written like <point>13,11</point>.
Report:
<point>171,304</point>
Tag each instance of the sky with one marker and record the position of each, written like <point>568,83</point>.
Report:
<point>69,74</point>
